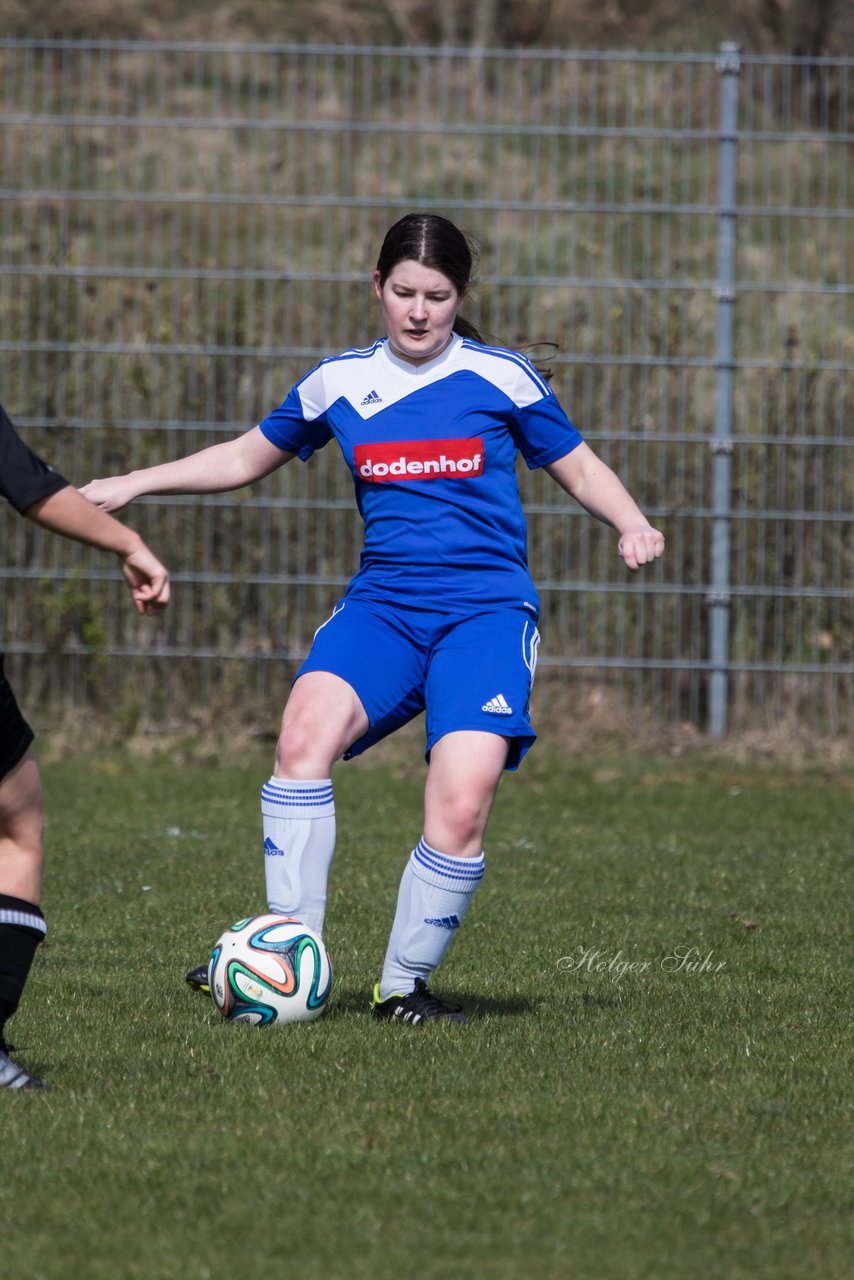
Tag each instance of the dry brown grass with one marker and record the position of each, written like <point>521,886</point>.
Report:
<point>781,26</point>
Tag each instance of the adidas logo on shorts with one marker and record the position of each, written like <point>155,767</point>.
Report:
<point>498,706</point>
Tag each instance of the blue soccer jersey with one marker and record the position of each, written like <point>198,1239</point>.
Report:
<point>432,450</point>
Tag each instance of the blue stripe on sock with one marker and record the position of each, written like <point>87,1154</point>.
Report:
<point>281,789</point>
<point>291,797</point>
<point>466,869</point>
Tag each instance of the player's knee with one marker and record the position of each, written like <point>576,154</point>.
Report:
<point>464,820</point>
<point>299,754</point>
<point>22,853</point>
<point>22,823</point>
<point>292,750</point>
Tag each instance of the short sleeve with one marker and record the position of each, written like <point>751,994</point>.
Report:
<point>25,478</point>
<point>542,431</point>
<point>299,424</point>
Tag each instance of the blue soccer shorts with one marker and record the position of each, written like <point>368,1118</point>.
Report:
<point>466,672</point>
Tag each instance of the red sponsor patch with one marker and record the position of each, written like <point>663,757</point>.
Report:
<point>397,460</point>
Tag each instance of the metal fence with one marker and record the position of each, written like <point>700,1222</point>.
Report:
<point>185,229</point>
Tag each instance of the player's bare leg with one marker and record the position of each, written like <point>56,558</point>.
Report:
<point>21,826</point>
<point>442,875</point>
<point>322,718</point>
<point>21,922</point>
<point>462,781</point>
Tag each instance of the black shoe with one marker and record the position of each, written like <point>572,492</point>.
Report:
<point>14,1077</point>
<point>420,1005</point>
<point>198,979</point>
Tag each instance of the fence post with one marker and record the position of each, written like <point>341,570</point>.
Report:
<point>719,597</point>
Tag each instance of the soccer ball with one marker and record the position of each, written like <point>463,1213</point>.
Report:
<point>270,969</point>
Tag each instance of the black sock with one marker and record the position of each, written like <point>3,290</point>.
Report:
<point>22,928</point>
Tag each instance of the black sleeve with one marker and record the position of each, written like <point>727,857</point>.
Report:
<point>24,477</point>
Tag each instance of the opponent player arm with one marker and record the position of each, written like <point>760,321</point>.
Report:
<point>67,513</point>
<point>585,477</point>
<point>218,469</point>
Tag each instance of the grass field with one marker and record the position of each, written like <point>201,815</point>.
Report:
<point>685,1117</point>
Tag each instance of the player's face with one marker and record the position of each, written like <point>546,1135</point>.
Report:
<point>419,307</point>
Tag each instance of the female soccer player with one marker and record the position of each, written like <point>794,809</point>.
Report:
<point>46,497</point>
<point>442,615</point>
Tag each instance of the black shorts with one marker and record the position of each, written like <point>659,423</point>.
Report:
<point>15,734</point>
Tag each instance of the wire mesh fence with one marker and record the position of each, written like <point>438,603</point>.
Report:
<point>185,229</point>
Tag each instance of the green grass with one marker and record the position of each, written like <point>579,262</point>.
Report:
<point>666,1124</point>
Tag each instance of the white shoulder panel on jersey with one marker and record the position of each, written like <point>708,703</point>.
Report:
<point>332,379</point>
<point>511,372</point>
<point>371,380</point>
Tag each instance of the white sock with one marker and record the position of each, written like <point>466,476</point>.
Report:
<point>299,841</point>
<point>435,891</point>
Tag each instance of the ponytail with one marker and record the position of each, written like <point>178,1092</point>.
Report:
<point>466,329</point>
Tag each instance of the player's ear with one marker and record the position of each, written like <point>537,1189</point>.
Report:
<point>378,289</point>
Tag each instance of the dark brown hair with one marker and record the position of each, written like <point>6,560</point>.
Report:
<point>438,243</point>
<point>434,242</point>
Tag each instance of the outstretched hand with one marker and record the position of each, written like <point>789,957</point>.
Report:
<point>110,494</point>
<point>148,580</point>
<point>640,546</point>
